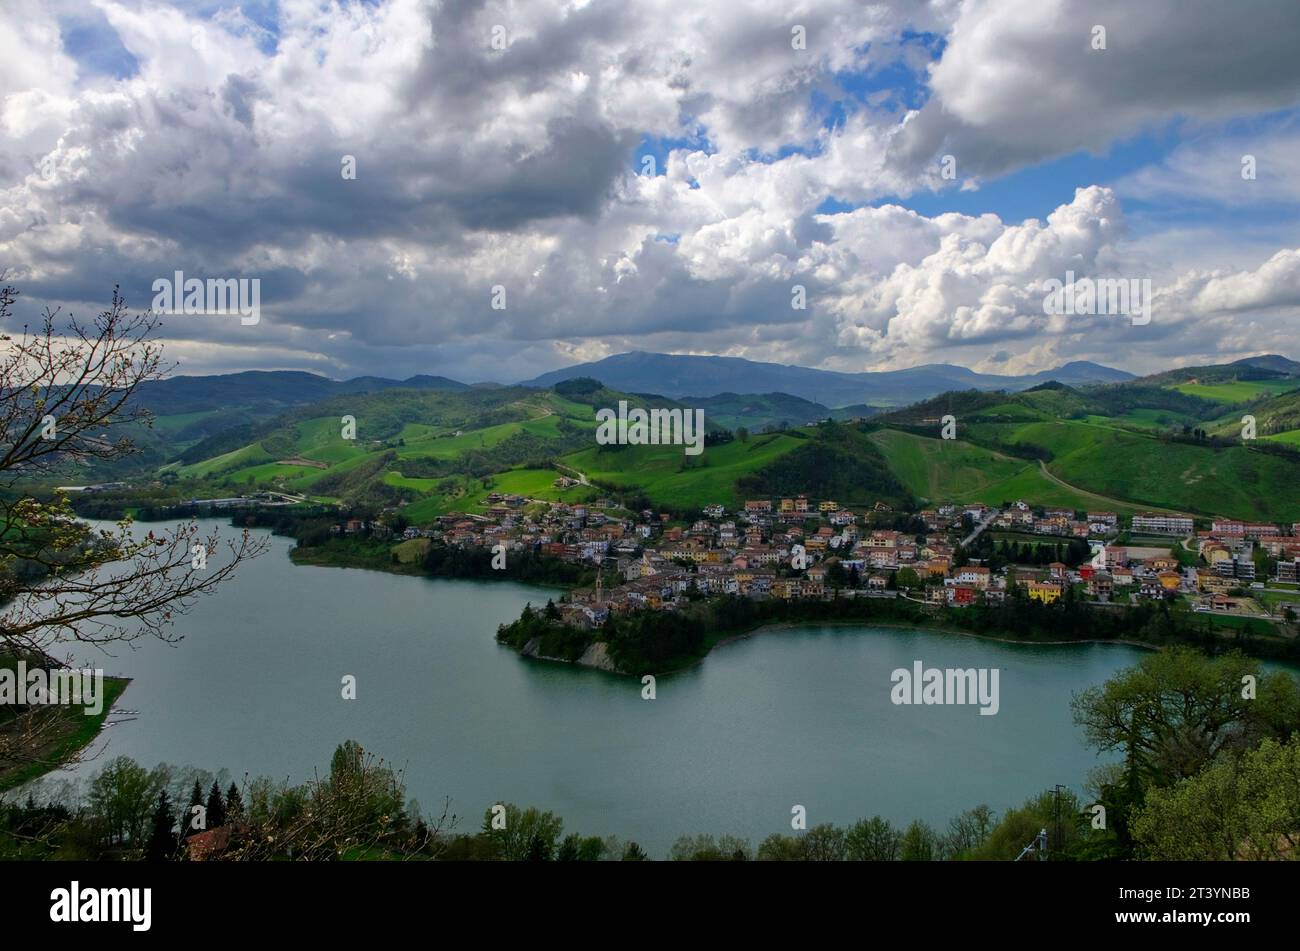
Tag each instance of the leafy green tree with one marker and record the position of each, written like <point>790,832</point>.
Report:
<point>634,853</point>
<point>540,849</point>
<point>577,848</point>
<point>825,843</point>
<point>781,848</point>
<point>1247,809</point>
<point>873,840</point>
<point>568,851</point>
<point>967,832</point>
<point>836,576</point>
<point>527,833</point>
<point>1177,710</point>
<point>121,799</point>
<point>346,761</point>
<point>704,848</point>
<point>919,844</point>
<point>1018,827</point>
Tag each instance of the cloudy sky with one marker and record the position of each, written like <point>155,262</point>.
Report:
<point>659,175</point>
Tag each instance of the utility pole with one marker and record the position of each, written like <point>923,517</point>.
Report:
<point>1056,818</point>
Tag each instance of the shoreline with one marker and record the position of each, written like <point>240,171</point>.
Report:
<point>528,652</point>
<point>71,742</point>
<point>793,625</point>
<point>596,656</point>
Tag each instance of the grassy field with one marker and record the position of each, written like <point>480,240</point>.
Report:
<point>275,472</point>
<point>1035,488</point>
<point>80,730</point>
<point>1144,419</point>
<point>666,474</point>
<point>955,471</point>
<point>944,470</point>
<point>466,498</point>
<point>451,447</point>
<point>175,421</point>
<point>232,461</point>
<point>412,550</point>
<point>470,493</point>
<point>403,482</point>
<point>1147,472</point>
<point>1289,438</point>
<point>538,484</point>
<point>1275,599</point>
<point>1238,391</point>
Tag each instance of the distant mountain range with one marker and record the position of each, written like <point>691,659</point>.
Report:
<point>268,389</point>
<point>732,381</point>
<point>679,376</point>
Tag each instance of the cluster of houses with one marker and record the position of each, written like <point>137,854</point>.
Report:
<point>1020,516</point>
<point>1229,551</point>
<point>795,548</point>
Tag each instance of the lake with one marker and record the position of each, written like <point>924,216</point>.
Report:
<point>788,716</point>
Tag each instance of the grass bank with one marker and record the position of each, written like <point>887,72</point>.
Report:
<point>74,733</point>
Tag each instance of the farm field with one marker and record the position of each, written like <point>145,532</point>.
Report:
<point>956,471</point>
<point>1239,391</point>
<point>944,470</point>
<point>1289,438</point>
<point>1150,473</point>
<point>667,474</point>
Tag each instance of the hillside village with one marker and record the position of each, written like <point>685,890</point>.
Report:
<point>956,555</point>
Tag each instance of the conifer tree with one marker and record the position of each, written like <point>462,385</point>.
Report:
<point>216,807</point>
<point>162,838</point>
<point>188,826</point>
<point>234,803</point>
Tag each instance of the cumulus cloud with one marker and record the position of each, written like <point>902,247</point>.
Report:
<point>220,152</point>
<point>1021,81</point>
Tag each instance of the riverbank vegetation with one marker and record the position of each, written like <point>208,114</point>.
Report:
<point>646,641</point>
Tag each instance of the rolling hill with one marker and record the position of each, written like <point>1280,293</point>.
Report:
<point>1136,444</point>
<point>1170,441</point>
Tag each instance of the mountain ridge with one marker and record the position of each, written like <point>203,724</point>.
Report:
<point>680,375</point>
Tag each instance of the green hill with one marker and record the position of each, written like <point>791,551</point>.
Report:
<point>1171,441</point>
<point>1129,445</point>
<point>1236,480</point>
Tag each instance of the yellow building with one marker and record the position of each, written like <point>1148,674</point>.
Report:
<point>1215,584</point>
<point>1215,554</point>
<point>1044,591</point>
<point>786,588</point>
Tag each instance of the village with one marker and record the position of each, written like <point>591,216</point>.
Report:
<point>798,548</point>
